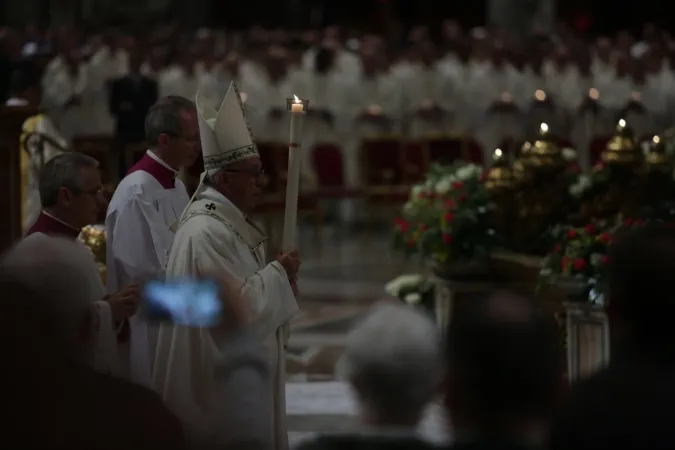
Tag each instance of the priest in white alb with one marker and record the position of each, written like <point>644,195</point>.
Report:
<point>145,206</point>
<point>215,235</point>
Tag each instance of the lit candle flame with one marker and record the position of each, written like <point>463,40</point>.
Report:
<point>594,93</point>
<point>540,95</point>
<point>498,153</point>
<point>656,139</point>
<point>622,123</point>
<point>296,99</point>
<point>543,128</point>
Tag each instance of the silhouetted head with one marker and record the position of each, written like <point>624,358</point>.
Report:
<point>640,302</point>
<point>505,365</point>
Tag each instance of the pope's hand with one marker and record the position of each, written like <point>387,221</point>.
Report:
<point>123,304</point>
<point>290,262</point>
<point>294,287</point>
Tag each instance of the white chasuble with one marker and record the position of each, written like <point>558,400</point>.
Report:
<point>146,204</point>
<point>215,237</point>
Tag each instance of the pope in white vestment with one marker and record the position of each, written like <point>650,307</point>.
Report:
<point>141,213</point>
<point>215,235</point>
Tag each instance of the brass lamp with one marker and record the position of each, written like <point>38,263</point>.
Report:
<point>622,149</point>
<point>545,151</point>
<point>657,158</point>
<point>500,177</point>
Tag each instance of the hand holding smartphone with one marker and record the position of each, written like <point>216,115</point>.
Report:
<point>190,303</point>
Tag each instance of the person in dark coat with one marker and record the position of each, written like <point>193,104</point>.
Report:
<point>130,99</point>
<point>628,403</point>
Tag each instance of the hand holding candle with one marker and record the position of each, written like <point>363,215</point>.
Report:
<point>297,108</point>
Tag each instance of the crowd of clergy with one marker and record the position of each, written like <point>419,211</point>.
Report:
<point>430,83</point>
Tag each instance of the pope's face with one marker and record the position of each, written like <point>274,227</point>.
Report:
<point>243,182</point>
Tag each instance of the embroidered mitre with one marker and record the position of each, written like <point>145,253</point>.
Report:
<point>225,134</point>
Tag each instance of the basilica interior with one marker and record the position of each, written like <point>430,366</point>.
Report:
<point>536,118</point>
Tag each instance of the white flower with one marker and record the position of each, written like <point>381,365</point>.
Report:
<point>569,154</point>
<point>412,298</point>
<point>444,185</point>
<point>468,171</point>
<point>596,259</point>
<point>416,190</point>
<point>582,184</point>
<point>395,286</point>
<point>408,208</point>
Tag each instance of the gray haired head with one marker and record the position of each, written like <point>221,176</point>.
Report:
<point>63,275</point>
<point>62,171</point>
<point>393,361</point>
<point>164,117</point>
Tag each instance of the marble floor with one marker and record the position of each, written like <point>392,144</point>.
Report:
<point>340,280</point>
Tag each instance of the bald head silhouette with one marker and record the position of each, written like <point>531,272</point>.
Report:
<point>504,360</point>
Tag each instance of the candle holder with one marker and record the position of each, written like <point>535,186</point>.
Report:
<point>296,101</point>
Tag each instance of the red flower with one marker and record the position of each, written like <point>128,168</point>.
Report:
<point>604,260</point>
<point>411,242</point>
<point>571,234</point>
<point>590,228</point>
<point>461,198</point>
<point>449,217</point>
<point>605,238</point>
<point>579,264</point>
<point>457,185</point>
<point>628,221</point>
<point>450,204</point>
<point>564,262</point>
<point>447,238</point>
<point>423,227</point>
<point>557,248</point>
<point>401,224</point>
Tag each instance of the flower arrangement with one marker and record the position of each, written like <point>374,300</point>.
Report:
<point>580,256</point>
<point>588,183</point>
<point>447,217</point>
<point>412,289</point>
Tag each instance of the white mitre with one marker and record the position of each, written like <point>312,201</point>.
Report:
<point>225,134</point>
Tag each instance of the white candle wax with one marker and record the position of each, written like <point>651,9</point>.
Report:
<point>293,179</point>
<point>296,108</point>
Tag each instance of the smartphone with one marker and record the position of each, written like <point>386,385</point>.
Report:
<point>191,303</point>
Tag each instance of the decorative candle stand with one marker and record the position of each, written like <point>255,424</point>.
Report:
<point>656,186</point>
<point>541,195</point>
<point>501,183</point>
<point>614,186</point>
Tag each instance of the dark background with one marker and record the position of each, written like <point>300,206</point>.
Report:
<point>600,16</point>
